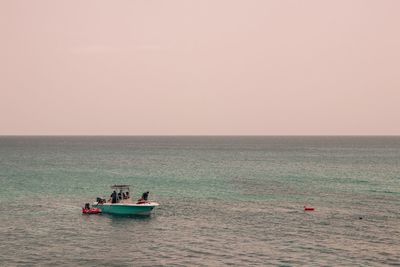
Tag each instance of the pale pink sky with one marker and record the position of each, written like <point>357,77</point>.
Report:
<point>200,67</point>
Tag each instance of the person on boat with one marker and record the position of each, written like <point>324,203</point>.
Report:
<point>145,196</point>
<point>126,195</point>
<point>100,200</point>
<point>114,197</point>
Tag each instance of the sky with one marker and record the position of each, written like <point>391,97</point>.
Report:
<point>205,67</point>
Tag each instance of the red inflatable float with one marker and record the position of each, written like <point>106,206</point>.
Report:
<point>91,211</point>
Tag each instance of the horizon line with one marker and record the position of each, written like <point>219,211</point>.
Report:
<point>199,135</point>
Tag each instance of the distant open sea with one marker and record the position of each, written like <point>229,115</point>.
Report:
<point>224,201</point>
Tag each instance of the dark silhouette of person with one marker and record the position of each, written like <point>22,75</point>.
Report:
<point>114,197</point>
<point>145,195</point>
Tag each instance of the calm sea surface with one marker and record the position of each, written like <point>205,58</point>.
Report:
<point>224,201</point>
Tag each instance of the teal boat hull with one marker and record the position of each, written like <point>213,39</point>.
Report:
<point>125,209</point>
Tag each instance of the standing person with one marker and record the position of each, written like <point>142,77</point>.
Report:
<point>114,197</point>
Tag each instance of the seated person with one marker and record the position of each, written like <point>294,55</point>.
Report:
<point>100,200</point>
<point>144,197</point>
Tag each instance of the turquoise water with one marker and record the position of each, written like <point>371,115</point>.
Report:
<point>224,201</point>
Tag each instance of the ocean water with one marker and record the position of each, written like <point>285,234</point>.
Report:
<point>224,201</point>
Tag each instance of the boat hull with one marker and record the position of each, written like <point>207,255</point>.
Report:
<point>126,209</point>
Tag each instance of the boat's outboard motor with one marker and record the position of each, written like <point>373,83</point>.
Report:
<point>87,206</point>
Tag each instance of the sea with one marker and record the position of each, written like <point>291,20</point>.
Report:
<point>224,201</point>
